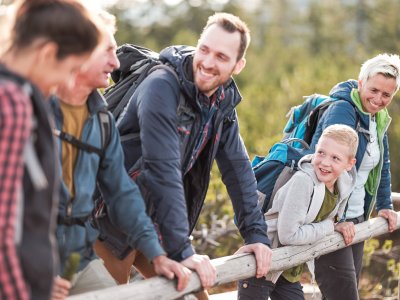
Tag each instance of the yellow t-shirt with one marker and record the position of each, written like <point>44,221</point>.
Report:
<point>74,119</point>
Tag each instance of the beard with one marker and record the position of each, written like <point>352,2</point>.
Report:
<point>209,85</point>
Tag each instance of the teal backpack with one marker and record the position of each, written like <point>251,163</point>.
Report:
<point>303,118</point>
<point>279,165</point>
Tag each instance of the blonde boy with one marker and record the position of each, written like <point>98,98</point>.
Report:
<point>304,210</point>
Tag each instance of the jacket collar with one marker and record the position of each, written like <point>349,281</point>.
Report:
<point>95,103</point>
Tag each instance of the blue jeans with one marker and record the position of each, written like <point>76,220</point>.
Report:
<point>261,289</point>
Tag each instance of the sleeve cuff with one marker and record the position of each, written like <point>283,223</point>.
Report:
<point>151,249</point>
<point>182,255</point>
<point>258,238</point>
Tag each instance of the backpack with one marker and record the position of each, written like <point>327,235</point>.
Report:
<point>275,169</point>
<point>136,63</point>
<point>303,118</point>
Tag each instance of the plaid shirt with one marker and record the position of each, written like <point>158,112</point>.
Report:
<point>209,106</point>
<point>15,125</point>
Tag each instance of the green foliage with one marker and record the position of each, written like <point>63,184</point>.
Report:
<point>381,270</point>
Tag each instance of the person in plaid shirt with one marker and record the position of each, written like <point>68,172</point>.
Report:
<point>45,49</point>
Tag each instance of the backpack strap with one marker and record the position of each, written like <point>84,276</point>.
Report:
<point>130,92</point>
<point>283,178</point>
<point>361,130</point>
<point>318,193</point>
<point>77,143</point>
<point>33,167</point>
<point>130,136</point>
<point>69,221</point>
<point>105,126</point>
<point>125,99</point>
<point>166,67</point>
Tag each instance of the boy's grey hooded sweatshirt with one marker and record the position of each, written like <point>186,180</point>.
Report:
<point>297,203</point>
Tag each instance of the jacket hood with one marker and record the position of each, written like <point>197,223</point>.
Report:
<point>342,90</point>
<point>96,102</point>
<point>346,180</point>
<point>181,58</point>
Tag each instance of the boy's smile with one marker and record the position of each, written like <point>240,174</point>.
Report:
<point>330,160</point>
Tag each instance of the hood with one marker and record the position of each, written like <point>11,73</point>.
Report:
<point>343,90</point>
<point>181,58</point>
<point>346,180</point>
<point>96,102</point>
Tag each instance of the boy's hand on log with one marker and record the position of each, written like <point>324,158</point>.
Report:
<point>348,231</point>
<point>263,255</point>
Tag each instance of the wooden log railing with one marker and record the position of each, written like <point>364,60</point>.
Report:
<point>396,197</point>
<point>235,267</point>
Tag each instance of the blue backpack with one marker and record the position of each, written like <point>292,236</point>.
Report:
<point>303,118</point>
<point>275,169</point>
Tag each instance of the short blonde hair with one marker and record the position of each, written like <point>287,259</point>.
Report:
<point>344,135</point>
<point>386,64</point>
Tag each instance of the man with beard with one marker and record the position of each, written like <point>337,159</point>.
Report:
<point>173,159</point>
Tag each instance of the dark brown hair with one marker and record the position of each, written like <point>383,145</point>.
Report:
<point>231,24</point>
<point>67,23</point>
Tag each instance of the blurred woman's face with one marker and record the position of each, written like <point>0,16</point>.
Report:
<point>51,71</point>
<point>376,93</point>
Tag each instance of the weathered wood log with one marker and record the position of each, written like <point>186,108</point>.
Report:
<point>235,267</point>
<point>396,197</point>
